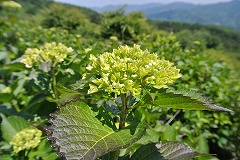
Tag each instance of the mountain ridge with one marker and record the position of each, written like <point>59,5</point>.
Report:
<point>223,13</point>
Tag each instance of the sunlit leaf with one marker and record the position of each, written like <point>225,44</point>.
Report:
<point>188,100</point>
<point>11,125</point>
<point>78,134</point>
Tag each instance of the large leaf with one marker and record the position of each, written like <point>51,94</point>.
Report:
<point>78,134</point>
<point>11,125</point>
<point>146,152</point>
<point>165,151</point>
<point>188,100</point>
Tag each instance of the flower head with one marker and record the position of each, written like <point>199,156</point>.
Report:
<point>26,139</point>
<point>128,69</point>
<point>11,4</point>
<point>49,52</point>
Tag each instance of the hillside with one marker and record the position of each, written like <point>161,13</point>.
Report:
<point>32,7</point>
<point>225,14</point>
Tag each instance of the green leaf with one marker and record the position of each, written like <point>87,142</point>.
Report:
<point>78,134</point>
<point>6,97</point>
<point>6,157</point>
<point>147,152</point>
<point>4,146</point>
<point>165,151</point>
<point>203,144</point>
<point>68,97</point>
<point>11,125</point>
<point>169,134</point>
<point>13,67</point>
<point>43,150</point>
<point>188,100</point>
<point>3,54</point>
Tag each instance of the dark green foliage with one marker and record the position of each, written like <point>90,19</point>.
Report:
<point>67,17</point>
<point>32,7</point>
<point>214,35</point>
<point>124,27</point>
<point>206,40</point>
<point>90,14</point>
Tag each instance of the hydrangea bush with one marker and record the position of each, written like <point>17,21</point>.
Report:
<point>46,58</point>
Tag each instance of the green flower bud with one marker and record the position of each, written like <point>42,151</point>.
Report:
<point>128,69</point>
<point>49,52</point>
<point>26,139</point>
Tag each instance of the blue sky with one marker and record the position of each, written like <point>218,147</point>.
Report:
<point>99,3</point>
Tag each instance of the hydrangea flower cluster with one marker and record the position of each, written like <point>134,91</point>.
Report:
<point>128,69</point>
<point>49,52</point>
<point>26,139</point>
<point>11,4</point>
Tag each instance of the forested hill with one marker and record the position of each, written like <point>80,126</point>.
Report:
<point>33,6</point>
<point>225,13</point>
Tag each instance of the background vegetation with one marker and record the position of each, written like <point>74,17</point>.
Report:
<point>221,13</point>
<point>207,56</point>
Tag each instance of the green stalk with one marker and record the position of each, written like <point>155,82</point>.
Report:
<point>123,114</point>
<point>16,107</point>
<point>54,83</point>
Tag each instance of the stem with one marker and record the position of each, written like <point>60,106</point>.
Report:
<point>174,116</point>
<point>54,83</point>
<point>122,121</point>
<point>16,107</point>
<point>123,112</point>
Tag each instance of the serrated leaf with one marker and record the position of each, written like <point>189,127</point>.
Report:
<point>11,125</point>
<point>176,151</point>
<point>147,152</point>
<point>78,134</point>
<point>68,97</point>
<point>188,100</point>
<point>165,151</point>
